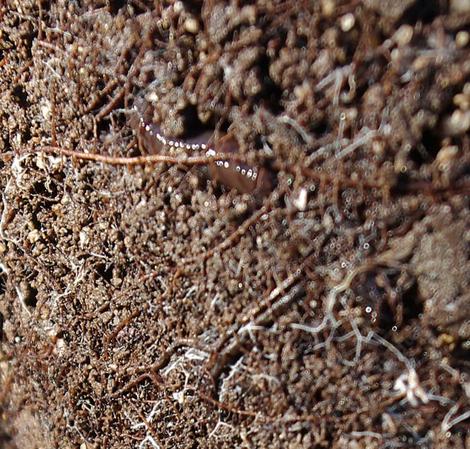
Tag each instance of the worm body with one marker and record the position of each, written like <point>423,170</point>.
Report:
<point>153,141</point>
<point>232,174</point>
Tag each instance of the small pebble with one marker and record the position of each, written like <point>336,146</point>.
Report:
<point>300,202</point>
<point>462,101</point>
<point>447,154</point>
<point>458,123</point>
<point>34,236</point>
<point>83,237</point>
<point>347,22</point>
<point>178,7</point>
<point>462,39</point>
<point>191,25</point>
<point>328,7</point>
<point>403,35</point>
<point>116,282</point>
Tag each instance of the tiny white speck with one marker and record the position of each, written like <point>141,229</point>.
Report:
<point>243,171</point>
<point>237,168</point>
<point>300,202</point>
<point>249,173</point>
<point>210,152</point>
<point>188,146</point>
<point>147,127</point>
<point>171,143</point>
<point>194,146</point>
<point>204,146</point>
<point>226,164</point>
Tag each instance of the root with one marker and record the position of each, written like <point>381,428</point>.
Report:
<point>143,160</point>
<point>123,324</point>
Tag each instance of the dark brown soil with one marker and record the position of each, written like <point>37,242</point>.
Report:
<point>149,306</point>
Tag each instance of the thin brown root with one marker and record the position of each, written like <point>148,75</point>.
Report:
<point>133,383</point>
<point>151,371</point>
<point>119,97</point>
<point>123,324</point>
<point>142,160</point>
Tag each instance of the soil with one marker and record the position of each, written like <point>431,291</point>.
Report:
<point>154,306</point>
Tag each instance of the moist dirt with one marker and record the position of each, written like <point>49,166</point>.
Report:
<point>155,306</point>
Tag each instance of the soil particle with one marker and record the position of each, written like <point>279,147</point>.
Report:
<point>393,9</point>
<point>445,285</point>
